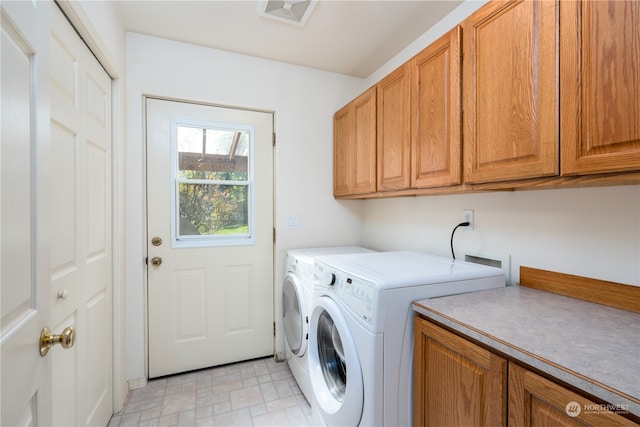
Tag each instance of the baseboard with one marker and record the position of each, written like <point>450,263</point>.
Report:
<point>135,384</point>
<point>124,395</point>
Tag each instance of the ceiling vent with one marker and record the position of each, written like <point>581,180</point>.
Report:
<point>291,11</point>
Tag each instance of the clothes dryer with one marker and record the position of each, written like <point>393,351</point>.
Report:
<point>361,358</point>
<point>296,307</point>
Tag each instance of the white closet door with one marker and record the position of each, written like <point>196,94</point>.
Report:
<point>81,236</point>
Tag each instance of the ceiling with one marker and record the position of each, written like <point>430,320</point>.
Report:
<point>352,37</point>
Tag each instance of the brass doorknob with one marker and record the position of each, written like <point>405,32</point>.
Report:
<point>156,261</point>
<point>47,339</point>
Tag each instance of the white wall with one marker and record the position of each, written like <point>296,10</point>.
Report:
<point>303,101</point>
<point>104,28</point>
<point>593,232</point>
<point>444,25</point>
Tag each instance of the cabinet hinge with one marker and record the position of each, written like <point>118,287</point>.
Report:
<point>274,234</point>
<point>274,139</point>
<point>274,329</point>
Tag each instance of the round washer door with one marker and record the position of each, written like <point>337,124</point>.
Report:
<point>336,375</point>
<point>294,314</point>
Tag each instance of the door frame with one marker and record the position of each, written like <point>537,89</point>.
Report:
<point>81,23</point>
<point>145,227</point>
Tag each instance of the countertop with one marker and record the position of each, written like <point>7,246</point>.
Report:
<point>593,347</point>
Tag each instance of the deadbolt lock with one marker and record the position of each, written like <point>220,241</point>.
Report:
<point>156,241</point>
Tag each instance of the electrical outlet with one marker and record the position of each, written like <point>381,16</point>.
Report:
<point>467,215</point>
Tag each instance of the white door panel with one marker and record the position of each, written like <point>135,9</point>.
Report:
<point>56,221</point>
<point>211,300</point>
<point>66,367</point>
<point>81,277</point>
<point>25,307</point>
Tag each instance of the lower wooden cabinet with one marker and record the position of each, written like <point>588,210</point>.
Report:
<point>537,401</point>
<point>458,383</point>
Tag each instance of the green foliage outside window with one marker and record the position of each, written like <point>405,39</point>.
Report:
<point>213,208</point>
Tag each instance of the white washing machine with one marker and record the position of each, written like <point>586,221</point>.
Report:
<point>362,356</point>
<point>296,307</point>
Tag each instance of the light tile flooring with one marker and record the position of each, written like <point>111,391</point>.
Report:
<point>255,393</point>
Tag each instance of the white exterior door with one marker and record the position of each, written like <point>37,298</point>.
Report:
<point>24,283</point>
<point>80,214</point>
<point>210,235</point>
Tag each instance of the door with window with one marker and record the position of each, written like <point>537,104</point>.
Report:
<point>210,235</point>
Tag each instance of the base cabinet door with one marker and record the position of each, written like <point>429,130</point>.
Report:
<point>456,383</point>
<point>536,401</point>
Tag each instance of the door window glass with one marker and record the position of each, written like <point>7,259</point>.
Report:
<point>213,187</point>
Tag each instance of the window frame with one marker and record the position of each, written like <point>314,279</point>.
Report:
<point>212,240</point>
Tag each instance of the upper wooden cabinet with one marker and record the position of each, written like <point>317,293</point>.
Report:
<point>524,94</point>
<point>342,141</point>
<point>394,132</point>
<point>436,138</point>
<point>510,92</point>
<point>354,146</point>
<point>600,86</point>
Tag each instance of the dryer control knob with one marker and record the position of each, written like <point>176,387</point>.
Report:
<point>331,279</point>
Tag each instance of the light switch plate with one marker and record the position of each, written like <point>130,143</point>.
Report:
<point>294,222</point>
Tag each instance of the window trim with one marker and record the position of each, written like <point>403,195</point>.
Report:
<point>200,241</point>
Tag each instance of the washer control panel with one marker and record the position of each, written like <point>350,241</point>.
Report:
<point>357,294</point>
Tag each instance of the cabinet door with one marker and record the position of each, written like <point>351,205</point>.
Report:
<point>536,401</point>
<point>343,139</point>
<point>456,383</point>
<point>394,120</point>
<point>354,146</point>
<point>364,106</point>
<point>510,92</point>
<point>600,86</point>
<point>436,153</point>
